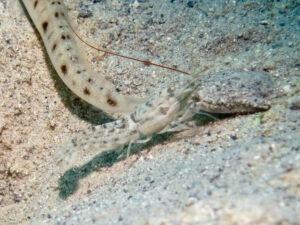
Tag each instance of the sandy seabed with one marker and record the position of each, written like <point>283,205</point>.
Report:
<point>242,169</point>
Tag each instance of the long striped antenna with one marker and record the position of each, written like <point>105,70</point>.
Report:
<point>145,62</point>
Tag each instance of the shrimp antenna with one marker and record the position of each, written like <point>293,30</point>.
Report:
<point>146,62</point>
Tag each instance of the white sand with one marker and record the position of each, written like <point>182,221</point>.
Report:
<point>242,170</point>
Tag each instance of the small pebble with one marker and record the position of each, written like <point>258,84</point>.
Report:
<point>191,4</point>
<point>85,12</point>
<point>295,104</point>
<point>233,137</point>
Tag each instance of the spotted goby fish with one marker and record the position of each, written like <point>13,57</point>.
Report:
<point>52,22</point>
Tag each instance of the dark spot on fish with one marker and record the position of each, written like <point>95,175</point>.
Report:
<point>54,47</point>
<point>35,3</point>
<point>86,91</point>
<point>45,26</point>
<point>111,102</point>
<point>64,69</point>
<point>65,37</point>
